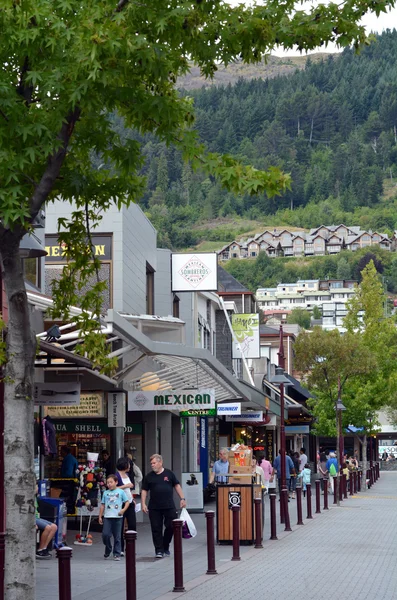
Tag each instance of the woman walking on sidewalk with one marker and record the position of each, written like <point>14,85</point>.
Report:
<point>322,469</point>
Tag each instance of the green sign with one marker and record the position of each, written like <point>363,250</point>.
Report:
<point>210,412</point>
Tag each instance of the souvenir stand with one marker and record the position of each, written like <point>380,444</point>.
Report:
<point>92,481</point>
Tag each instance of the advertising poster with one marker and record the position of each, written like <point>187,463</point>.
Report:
<point>246,329</point>
<point>192,485</point>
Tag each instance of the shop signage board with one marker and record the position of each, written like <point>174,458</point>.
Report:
<point>246,417</point>
<point>246,329</point>
<point>55,253</point>
<point>116,409</point>
<point>210,412</point>
<point>269,437</point>
<point>297,429</point>
<point>194,272</point>
<point>91,405</point>
<point>178,400</point>
<point>192,484</point>
<point>72,426</point>
<point>231,408</point>
<point>234,499</point>
<point>57,394</point>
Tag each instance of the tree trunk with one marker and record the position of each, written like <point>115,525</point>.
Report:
<point>364,449</point>
<point>18,431</point>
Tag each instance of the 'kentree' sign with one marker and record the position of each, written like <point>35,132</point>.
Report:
<point>172,400</point>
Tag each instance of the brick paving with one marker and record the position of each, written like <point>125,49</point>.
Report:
<point>346,552</point>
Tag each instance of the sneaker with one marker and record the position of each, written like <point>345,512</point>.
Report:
<point>293,496</point>
<point>159,555</point>
<point>106,556</point>
<point>167,553</point>
<point>116,558</point>
<point>43,554</point>
<point>122,554</point>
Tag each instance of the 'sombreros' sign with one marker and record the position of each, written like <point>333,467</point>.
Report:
<point>172,400</point>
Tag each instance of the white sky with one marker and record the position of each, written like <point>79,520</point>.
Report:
<point>371,22</point>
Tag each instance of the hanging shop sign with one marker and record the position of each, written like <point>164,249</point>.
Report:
<point>91,405</point>
<point>269,438</point>
<point>176,400</point>
<point>194,272</point>
<point>246,417</point>
<point>57,394</point>
<point>116,409</point>
<point>102,247</point>
<point>211,412</point>
<point>232,408</point>
<point>246,330</point>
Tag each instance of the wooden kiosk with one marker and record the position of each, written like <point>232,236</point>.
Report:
<point>246,492</point>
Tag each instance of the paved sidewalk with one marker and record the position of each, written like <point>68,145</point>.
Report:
<point>355,541</point>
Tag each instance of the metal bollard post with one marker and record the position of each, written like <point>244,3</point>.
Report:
<point>359,473</point>
<point>284,501</point>
<point>335,490</point>
<point>368,476</point>
<point>374,470</point>
<point>236,532</point>
<point>64,578</point>
<point>378,467</point>
<point>318,496</point>
<point>309,500</point>
<point>130,564</point>
<point>178,556</point>
<point>340,488</point>
<point>325,480</point>
<point>299,504</point>
<point>210,517</point>
<point>273,524</point>
<point>344,485</point>
<point>258,523</point>
<point>351,483</point>
<point>354,482</point>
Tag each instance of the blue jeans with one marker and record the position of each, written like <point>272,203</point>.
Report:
<point>112,527</point>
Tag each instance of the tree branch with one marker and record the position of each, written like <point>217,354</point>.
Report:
<point>120,5</point>
<point>26,91</point>
<point>54,164</point>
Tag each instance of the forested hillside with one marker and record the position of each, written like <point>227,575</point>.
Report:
<point>331,125</point>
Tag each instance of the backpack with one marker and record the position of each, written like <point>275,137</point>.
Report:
<point>332,470</point>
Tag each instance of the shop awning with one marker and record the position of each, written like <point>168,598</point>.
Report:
<point>181,366</point>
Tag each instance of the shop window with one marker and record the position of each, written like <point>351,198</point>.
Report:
<point>149,290</point>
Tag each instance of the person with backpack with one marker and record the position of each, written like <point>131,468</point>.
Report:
<point>332,466</point>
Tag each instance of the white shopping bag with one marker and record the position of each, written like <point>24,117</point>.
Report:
<point>189,529</point>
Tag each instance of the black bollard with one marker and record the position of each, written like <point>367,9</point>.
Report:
<point>273,523</point>
<point>258,522</point>
<point>335,490</point>
<point>130,564</point>
<point>178,556</point>
<point>299,504</point>
<point>210,518</point>
<point>344,485</point>
<point>318,496</point>
<point>284,501</point>
<point>325,480</point>
<point>359,474</point>
<point>309,500</point>
<point>64,578</point>
<point>236,532</point>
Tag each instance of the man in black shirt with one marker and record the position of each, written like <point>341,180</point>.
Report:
<point>161,483</point>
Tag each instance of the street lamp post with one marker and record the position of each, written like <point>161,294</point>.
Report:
<point>339,408</point>
<point>281,380</point>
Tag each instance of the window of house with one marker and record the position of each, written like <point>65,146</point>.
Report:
<point>253,253</point>
<point>149,289</point>
<point>175,307</point>
<point>265,352</point>
<point>234,255</point>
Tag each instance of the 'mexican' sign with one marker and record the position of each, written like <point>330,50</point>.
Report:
<point>172,400</point>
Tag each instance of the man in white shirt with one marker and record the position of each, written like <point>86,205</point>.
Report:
<point>302,460</point>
